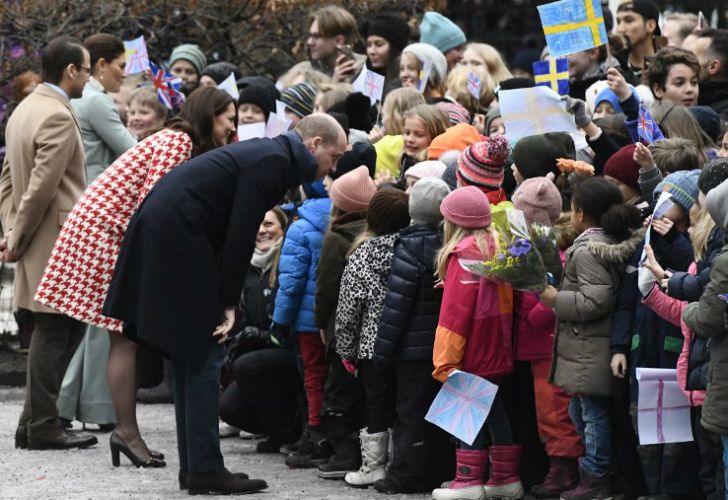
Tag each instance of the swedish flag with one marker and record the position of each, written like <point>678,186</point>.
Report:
<point>553,73</point>
<point>572,26</point>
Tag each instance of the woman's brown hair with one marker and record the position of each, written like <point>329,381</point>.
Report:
<point>103,46</point>
<point>198,114</point>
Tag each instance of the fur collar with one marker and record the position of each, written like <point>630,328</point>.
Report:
<point>605,247</point>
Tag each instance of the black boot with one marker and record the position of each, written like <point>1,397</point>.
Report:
<point>222,482</point>
<point>346,458</point>
<point>161,393</point>
<point>313,451</point>
<point>182,476</point>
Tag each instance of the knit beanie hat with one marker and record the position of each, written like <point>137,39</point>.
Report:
<point>467,207</point>
<point>536,155</point>
<point>430,168</point>
<point>262,96</point>
<point>426,52</point>
<point>441,32</point>
<point>260,81</point>
<point>299,98</point>
<point>708,119</point>
<point>482,164</point>
<point>456,112</point>
<point>352,191</point>
<point>713,174</point>
<point>388,212</point>
<point>457,137</point>
<point>192,53</point>
<point>450,175</point>
<point>682,185</point>
<point>621,166</point>
<point>392,28</point>
<point>425,199</point>
<point>219,71</point>
<point>540,201</point>
<point>360,154</point>
<point>492,114</point>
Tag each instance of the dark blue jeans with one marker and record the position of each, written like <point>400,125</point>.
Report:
<point>496,430</point>
<point>196,407</point>
<point>590,415</point>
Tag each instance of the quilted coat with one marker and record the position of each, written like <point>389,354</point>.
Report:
<point>412,306</point>
<point>584,308</point>
<point>298,265</point>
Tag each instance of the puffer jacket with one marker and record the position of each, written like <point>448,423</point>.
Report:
<point>412,305</point>
<point>671,309</point>
<point>584,307</point>
<point>337,243</point>
<point>475,329</point>
<point>361,298</point>
<point>649,340</point>
<point>298,265</point>
<point>689,287</point>
<point>707,318</point>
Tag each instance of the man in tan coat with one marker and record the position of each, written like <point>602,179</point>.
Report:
<point>42,178</point>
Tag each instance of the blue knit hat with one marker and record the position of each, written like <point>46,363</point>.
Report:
<point>682,185</point>
<point>441,32</point>
<point>299,98</point>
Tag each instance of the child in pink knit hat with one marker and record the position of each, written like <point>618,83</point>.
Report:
<point>474,335</point>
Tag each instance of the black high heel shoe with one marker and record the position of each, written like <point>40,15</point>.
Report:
<point>117,445</point>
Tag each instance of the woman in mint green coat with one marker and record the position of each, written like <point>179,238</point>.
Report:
<point>85,394</point>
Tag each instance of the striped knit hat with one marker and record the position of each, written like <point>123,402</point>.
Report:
<point>483,163</point>
<point>299,98</point>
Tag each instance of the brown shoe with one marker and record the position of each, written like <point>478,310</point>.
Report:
<point>64,442</point>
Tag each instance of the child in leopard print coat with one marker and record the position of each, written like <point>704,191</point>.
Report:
<point>361,301</point>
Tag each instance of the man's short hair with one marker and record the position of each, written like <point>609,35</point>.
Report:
<point>718,46</point>
<point>320,125</point>
<point>686,22</point>
<point>59,53</point>
<point>659,65</point>
<point>333,21</point>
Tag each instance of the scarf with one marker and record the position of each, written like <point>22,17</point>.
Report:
<point>263,260</point>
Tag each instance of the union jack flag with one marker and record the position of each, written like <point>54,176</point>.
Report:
<point>168,87</point>
<point>723,296</point>
<point>462,405</point>
<point>647,128</point>
<point>474,85</point>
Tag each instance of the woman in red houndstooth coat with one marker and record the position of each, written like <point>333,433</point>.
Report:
<point>81,265</point>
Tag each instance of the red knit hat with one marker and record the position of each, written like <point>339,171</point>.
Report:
<point>352,191</point>
<point>467,207</point>
<point>483,163</point>
<point>457,137</point>
<point>621,166</point>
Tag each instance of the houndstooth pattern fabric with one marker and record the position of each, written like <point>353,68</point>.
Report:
<point>81,265</point>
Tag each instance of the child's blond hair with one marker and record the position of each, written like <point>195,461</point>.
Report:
<point>397,103</point>
<point>436,122</point>
<point>495,65</point>
<point>700,233</point>
<point>453,235</point>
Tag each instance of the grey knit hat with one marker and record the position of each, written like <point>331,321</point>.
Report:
<point>189,52</point>
<point>425,198</point>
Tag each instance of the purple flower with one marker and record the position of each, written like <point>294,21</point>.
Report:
<point>520,247</point>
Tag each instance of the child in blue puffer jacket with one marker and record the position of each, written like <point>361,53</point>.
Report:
<point>294,305</point>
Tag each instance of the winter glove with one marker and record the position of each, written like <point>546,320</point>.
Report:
<point>645,280</point>
<point>349,366</point>
<point>577,108</point>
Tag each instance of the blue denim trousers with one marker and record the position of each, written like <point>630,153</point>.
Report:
<point>590,415</point>
<point>196,407</point>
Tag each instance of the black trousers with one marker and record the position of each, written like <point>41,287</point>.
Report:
<point>264,396</point>
<point>423,453</point>
<point>711,458</point>
<point>380,394</point>
<point>343,409</point>
<point>53,343</point>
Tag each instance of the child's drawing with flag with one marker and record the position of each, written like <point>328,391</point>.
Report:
<point>137,58</point>
<point>572,26</point>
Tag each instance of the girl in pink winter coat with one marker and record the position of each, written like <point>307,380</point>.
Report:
<point>535,325</point>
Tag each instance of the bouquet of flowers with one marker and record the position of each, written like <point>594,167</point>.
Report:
<point>518,261</point>
<point>544,239</point>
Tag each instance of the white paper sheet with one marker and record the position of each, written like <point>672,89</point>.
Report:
<point>663,410</point>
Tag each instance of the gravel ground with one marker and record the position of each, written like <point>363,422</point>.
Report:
<point>88,474</point>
